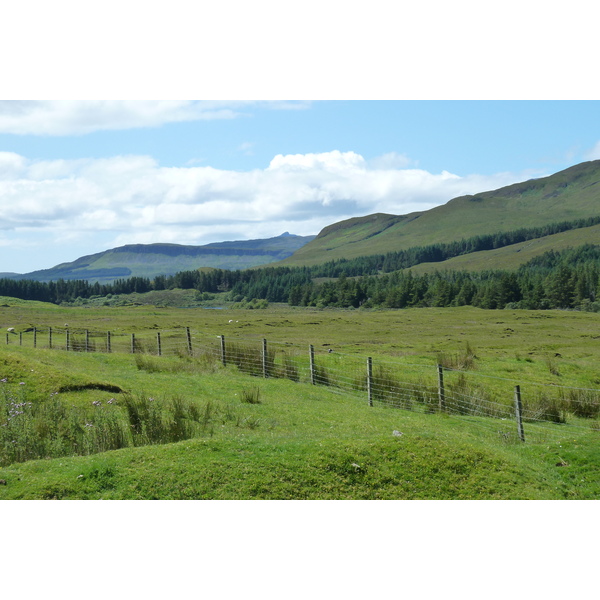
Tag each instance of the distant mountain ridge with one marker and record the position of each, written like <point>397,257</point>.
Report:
<point>151,260</point>
<point>567,196</point>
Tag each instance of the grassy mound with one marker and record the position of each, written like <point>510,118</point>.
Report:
<point>296,441</point>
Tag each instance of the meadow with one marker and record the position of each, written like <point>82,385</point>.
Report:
<point>135,425</point>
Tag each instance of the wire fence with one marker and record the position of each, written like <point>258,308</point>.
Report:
<point>515,412</point>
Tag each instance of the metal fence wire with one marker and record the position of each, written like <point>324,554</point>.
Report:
<point>495,404</point>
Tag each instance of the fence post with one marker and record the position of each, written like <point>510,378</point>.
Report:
<point>189,340</point>
<point>68,340</point>
<point>108,341</point>
<point>50,338</point>
<point>264,358</point>
<point>313,374</point>
<point>158,343</point>
<point>370,380</point>
<point>133,343</point>
<point>35,337</point>
<point>518,412</point>
<point>441,389</point>
<point>223,354</point>
<point>87,340</point>
<point>20,338</point>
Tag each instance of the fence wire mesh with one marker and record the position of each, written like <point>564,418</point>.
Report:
<point>487,401</point>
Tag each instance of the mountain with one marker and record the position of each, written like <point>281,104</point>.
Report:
<point>565,196</point>
<point>150,260</point>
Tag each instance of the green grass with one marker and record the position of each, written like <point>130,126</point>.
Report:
<point>512,257</point>
<point>283,438</point>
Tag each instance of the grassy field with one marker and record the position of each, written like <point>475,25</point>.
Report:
<point>277,438</point>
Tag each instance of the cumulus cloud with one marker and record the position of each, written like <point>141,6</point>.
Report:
<point>129,199</point>
<point>81,117</point>
<point>392,160</point>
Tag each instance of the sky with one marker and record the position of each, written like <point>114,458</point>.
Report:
<point>80,177</point>
<point>136,124</point>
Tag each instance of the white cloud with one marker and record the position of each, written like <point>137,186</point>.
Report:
<point>60,117</point>
<point>11,164</point>
<point>102,203</point>
<point>392,160</point>
<point>329,161</point>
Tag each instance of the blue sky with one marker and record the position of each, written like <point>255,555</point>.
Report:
<point>307,116</point>
<point>79,177</point>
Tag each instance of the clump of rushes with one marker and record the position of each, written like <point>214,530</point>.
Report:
<point>250,396</point>
<point>52,428</point>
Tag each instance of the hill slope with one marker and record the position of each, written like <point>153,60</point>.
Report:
<point>570,194</point>
<point>513,256</point>
<point>150,260</point>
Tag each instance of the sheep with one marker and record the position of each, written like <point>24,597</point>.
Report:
<point>11,330</point>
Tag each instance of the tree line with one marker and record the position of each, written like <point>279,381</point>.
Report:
<point>554,280</point>
<point>565,280</point>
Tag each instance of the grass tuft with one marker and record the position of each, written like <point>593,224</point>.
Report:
<point>250,396</point>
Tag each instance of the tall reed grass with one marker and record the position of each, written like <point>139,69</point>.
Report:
<point>32,430</point>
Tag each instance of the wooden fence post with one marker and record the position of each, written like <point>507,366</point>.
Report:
<point>50,338</point>
<point>313,374</point>
<point>133,343</point>
<point>223,353</point>
<point>441,389</point>
<point>87,340</point>
<point>35,337</point>
<point>158,343</point>
<point>518,412</point>
<point>189,340</point>
<point>370,380</point>
<point>264,358</point>
<point>108,341</point>
<point>20,338</point>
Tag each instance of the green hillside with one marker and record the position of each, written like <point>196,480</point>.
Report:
<point>570,194</point>
<point>512,257</point>
<point>150,260</point>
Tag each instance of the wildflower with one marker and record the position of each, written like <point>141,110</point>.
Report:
<point>97,403</point>
<point>22,383</point>
<point>111,401</point>
<point>89,425</point>
<point>3,380</point>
